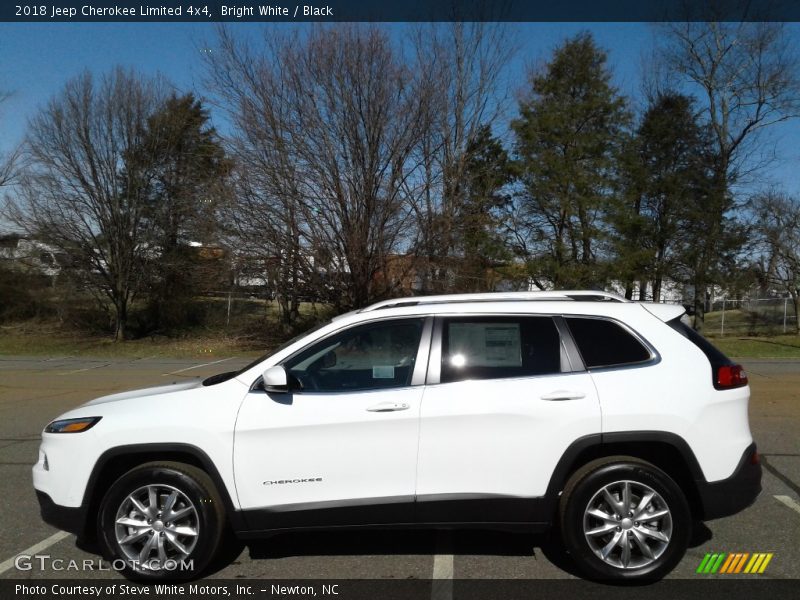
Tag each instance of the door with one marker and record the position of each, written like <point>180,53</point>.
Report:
<point>341,446</point>
<point>504,402</point>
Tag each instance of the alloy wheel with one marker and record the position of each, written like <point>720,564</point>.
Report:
<point>156,524</point>
<point>627,524</point>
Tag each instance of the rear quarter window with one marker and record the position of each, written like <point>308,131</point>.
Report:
<point>604,343</point>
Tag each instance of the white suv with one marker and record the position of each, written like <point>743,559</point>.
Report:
<point>610,421</point>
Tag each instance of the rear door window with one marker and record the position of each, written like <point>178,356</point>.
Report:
<point>499,347</point>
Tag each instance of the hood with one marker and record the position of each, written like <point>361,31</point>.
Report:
<point>151,391</point>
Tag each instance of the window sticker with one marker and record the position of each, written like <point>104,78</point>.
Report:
<point>485,344</point>
<point>383,372</point>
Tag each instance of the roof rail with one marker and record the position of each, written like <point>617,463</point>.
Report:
<point>574,295</point>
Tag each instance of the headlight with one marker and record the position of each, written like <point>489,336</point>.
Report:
<point>71,425</point>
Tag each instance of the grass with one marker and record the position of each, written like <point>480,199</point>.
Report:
<point>753,335</point>
<point>780,346</point>
<point>27,340</point>
<point>251,331</point>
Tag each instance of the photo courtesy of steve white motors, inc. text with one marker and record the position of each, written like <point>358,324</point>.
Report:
<point>191,589</point>
<point>197,10</point>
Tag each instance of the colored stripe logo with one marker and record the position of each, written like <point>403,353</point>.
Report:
<point>734,562</point>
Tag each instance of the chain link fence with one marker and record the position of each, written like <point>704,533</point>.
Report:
<point>751,317</point>
<point>234,310</point>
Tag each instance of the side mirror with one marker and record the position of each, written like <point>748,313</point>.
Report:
<point>275,379</point>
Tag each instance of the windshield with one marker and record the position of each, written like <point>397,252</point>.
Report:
<point>221,377</point>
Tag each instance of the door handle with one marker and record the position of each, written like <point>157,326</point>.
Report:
<point>563,395</point>
<point>388,407</point>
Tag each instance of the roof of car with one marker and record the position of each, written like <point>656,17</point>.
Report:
<point>568,295</point>
<point>586,302</point>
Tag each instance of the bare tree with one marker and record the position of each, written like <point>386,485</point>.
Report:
<point>264,219</point>
<point>777,235</point>
<point>461,68</point>
<point>746,76</point>
<point>324,128</point>
<point>8,161</point>
<point>81,193</point>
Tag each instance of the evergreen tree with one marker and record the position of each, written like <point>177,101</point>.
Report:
<point>667,183</point>
<point>568,140</point>
<point>187,167</point>
<point>478,220</point>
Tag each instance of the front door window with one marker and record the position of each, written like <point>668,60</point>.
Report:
<point>367,357</point>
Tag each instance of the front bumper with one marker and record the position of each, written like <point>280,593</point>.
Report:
<point>734,494</point>
<point>72,520</point>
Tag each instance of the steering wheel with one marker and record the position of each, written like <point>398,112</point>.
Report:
<point>307,380</point>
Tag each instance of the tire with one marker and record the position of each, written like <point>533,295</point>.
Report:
<point>596,531</point>
<point>160,550</point>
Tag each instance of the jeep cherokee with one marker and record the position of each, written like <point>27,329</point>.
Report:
<point>611,422</point>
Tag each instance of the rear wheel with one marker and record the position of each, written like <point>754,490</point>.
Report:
<point>163,520</point>
<point>623,518</point>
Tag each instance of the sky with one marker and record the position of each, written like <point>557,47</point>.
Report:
<point>36,60</point>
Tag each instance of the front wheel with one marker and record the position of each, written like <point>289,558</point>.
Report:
<point>162,521</point>
<point>624,519</point>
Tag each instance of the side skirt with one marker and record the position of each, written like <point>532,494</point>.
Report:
<point>452,511</point>
<point>530,528</point>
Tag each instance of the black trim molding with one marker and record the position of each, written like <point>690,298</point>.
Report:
<point>664,437</point>
<point>313,515</point>
<point>448,511</point>
<point>72,520</point>
<point>737,492</point>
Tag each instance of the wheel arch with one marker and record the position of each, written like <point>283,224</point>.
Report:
<point>117,461</point>
<point>667,451</point>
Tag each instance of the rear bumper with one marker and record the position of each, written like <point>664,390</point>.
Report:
<point>72,520</point>
<point>734,494</point>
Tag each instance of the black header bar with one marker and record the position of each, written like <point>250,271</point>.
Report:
<point>205,11</point>
<point>732,588</point>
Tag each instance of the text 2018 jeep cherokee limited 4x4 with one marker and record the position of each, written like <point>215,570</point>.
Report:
<point>609,420</point>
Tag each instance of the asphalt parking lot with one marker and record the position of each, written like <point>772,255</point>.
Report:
<point>34,390</point>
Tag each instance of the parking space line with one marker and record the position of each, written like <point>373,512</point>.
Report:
<point>44,544</point>
<point>85,369</point>
<point>442,577</point>
<point>141,358</point>
<point>772,469</point>
<point>197,366</point>
<point>789,502</point>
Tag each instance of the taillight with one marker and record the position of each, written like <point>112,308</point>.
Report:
<point>731,376</point>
